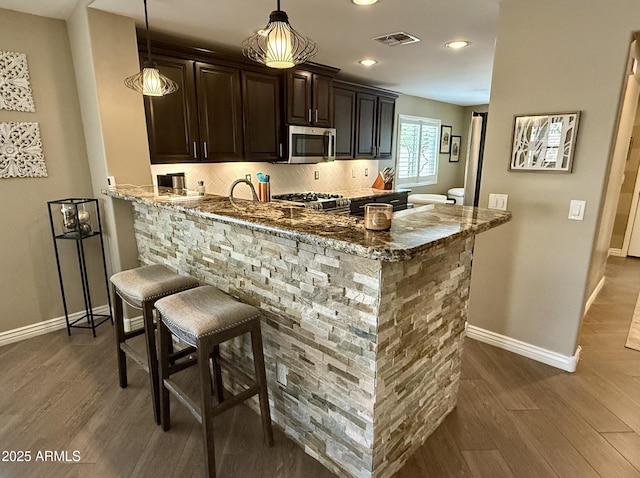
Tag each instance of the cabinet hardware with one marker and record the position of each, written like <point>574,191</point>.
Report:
<point>206,150</point>
<point>394,201</point>
<point>316,115</point>
<point>195,150</point>
<point>309,115</point>
<point>281,155</point>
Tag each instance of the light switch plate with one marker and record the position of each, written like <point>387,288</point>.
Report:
<point>111,181</point>
<point>576,209</point>
<point>498,201</point>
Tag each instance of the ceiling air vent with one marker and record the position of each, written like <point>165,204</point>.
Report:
<point>398,38</point>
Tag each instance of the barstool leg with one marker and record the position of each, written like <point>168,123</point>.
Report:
<point>261,378</point>
<point>119,323</point>
<point>152,357</point>
<point>217,374</point>
<point>164,337</point>
<point>206,404</point>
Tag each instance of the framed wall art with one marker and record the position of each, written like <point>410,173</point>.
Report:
<point>445,139</point>
<point>544,142</point>
<point>454,157</point>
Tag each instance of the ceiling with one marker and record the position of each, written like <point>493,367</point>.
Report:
<point>343,32</point>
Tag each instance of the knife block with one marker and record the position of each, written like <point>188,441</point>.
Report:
<point>380,184</point>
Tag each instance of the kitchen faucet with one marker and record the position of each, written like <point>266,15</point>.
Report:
<point>236,182</point>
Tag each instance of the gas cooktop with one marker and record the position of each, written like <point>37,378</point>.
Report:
<point>323,201</point>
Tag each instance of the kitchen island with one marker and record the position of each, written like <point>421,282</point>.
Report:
<point>362,330</point>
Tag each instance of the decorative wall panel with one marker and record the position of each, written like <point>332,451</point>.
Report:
<point>21,151</point>
<point>15,93</point>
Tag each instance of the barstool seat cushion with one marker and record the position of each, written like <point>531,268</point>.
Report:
<point>195,313</point>
<point>146,283</point>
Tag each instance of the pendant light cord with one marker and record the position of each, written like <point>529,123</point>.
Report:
<point>277,0</point>
<point>146,22</point>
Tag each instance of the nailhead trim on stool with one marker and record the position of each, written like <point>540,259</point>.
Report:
<point>204,318</point>
<point>140,288</point>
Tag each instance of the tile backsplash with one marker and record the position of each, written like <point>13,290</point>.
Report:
<point>285,178</point>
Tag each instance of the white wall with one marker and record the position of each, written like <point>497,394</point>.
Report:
<point>531,276</point>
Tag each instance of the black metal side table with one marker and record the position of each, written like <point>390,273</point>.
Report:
<point>78,219</point>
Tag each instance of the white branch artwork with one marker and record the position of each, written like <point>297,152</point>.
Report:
<point>15,93</point>
<point>21,151</point>
<point>544,142</point>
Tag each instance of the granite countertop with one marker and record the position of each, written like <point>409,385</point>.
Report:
<point>412,230</point>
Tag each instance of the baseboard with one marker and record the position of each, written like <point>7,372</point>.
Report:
<point>593,295</point>
<point>133,323</point>
<point>616,252</point>
<point>40,328</point>
<point>563,362</point>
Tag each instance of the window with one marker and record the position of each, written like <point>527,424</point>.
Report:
<point>417,155</point>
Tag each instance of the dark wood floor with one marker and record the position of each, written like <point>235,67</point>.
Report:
<point>515,417</point>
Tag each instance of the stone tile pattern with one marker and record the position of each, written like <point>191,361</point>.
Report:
<point>421,323</point>
<point>372,348</point>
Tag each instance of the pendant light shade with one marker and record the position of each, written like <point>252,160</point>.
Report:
<point>278,45</point>
<point>149,81</point>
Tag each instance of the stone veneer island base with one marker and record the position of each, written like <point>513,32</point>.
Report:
<point>368,326</point>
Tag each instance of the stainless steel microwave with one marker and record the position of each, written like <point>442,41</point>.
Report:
<point>308,144</point>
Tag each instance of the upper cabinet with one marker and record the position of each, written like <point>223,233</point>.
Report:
<point>309,98</point>
<point>220,113</point>
<point>172,120</point>
<point>202,121</point>
<point>364,119</point>
<point>228,108</point>
<point>344,121</point>
<point>262,127</point>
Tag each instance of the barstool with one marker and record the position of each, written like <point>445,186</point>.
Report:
<point>140,288</point>
<point>204,318</point>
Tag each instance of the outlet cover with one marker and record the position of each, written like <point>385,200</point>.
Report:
<point>248,177</point>
<point>281,374</point>
<point>498,201</point>
<point>316,174</point>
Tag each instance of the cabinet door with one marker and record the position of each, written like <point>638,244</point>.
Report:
<point>261,116</point>
<point>298,97</point>
<point>365,125</point>
<point>344,122</point>
<point>172,120</point>
<point>220,112</point>
<point>386,112</point>
<point>322,110</point>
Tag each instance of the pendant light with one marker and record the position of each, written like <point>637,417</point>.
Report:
<point>149,81</point>
<point>278,45</point>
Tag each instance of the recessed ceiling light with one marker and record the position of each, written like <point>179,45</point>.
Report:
<point>456,45</point>
<point>368,62</point>
<point>364,2</point>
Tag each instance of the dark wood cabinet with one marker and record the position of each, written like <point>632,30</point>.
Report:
<point>172,120</point>
<point>262,122</point>
<point>220,113</point>
<point>374,126</point>
<point>384,127</point>
<point>309,98</point>
<point>364,119</point>
<point>344,120</point>
<point>366,125</point>
<point>202,121</point>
